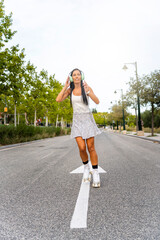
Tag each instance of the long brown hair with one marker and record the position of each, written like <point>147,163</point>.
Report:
<point>85,100</point>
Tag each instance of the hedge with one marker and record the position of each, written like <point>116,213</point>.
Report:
<point>23,133</point>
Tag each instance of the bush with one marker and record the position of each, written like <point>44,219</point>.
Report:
<point>58,131</point>
<point>149,130</point>
<point>22,133</point>
<point>25,131</point>
<point>131,129</point>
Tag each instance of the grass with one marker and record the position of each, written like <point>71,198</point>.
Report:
<point>152,136</point>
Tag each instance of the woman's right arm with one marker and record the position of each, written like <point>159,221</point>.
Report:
<point>65,92</point>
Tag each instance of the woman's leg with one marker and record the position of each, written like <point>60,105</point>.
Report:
<point>82,148</point>
<point>92,151</point>
<point>94,161</point>
<point>84,156</point>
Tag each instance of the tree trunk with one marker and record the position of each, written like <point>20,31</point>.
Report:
<point>136,120</point>
<point>15,120</point>
<point>152,119</point>
<point>57,121</point>
<point>0,118</point>
<point>47,118</point>
<point>26,118</point>
<point>117,125</point>
<point>61,122</point>
<point>35,116</point>
<point>4,118</point>
<point>46,121</point>
<point>18,118</point>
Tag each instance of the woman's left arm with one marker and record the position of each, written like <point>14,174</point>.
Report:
<point>90,93</point>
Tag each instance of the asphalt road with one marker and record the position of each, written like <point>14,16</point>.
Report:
<point>38,194</point>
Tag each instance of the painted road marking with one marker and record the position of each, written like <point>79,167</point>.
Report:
<point>80,170</point>
<point>79,218</point>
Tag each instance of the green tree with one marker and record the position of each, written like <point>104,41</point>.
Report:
<point>151,92</point>
<point>6,34</point>
<point>94,110</point>
<point>135,89</point>
<point>15,75</point>
<point>117,112</point>
<point>26,90</point>
<point>36,90</point>
<point>131,120</point>
<point>11,60</point>
<point>157,118</point>
<point>101,118</point>
<point>63,109</point>
<point>147,117</point>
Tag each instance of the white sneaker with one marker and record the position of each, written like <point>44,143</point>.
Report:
<point>90,166</point>
<point>86,174</point>
<point>96,178</point>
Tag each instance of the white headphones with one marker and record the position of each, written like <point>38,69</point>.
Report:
<point>70,76</point>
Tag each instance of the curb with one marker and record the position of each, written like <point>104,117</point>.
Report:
<point>144,138</point>
<point>20,144</point>
<point>29,142</point>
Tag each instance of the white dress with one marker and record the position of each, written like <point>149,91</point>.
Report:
<point>83,122</point>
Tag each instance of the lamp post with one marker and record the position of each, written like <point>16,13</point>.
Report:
<point>138,100</point>
<point>124,128</point>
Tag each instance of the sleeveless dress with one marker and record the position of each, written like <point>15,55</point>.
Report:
<point>83,121</point>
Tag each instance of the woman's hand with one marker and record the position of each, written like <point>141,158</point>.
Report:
<point>67,83</point>
<point>65,92</point>
<point>90,92</point>
<point>86,87</point>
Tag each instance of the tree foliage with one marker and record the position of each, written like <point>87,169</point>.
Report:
<point>150,93</point>
<point>101,118</point>
<point>148,89</point>
<point>6,33</point>
<point>22,88</point>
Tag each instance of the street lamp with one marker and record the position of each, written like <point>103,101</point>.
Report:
<point>124,128</point>
<point>138,100</point>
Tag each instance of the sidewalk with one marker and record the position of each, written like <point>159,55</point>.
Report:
<point>147,136</point>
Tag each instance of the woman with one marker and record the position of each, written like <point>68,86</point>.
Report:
<point>84,128</point>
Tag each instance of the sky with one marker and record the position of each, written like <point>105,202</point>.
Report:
<point>96,36</point>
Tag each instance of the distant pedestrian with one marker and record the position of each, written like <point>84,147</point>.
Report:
<point>84,128</point>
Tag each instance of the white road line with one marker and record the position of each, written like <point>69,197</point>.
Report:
<point>79,218</point>
<point>81,170</point>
